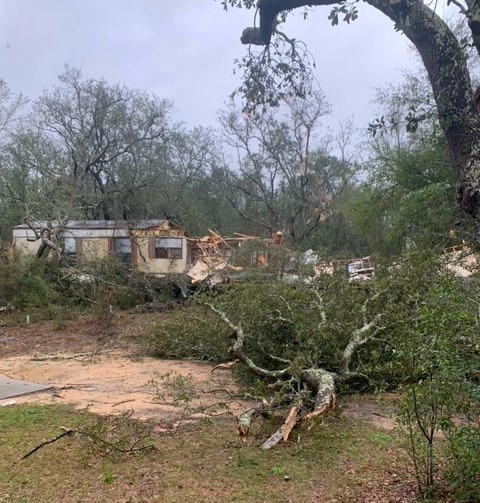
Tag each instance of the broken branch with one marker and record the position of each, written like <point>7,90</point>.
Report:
<point>67,431</point>
<point>237,349</point>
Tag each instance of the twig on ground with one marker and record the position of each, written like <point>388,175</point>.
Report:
<point>123,401</point>
<point>67,431</point>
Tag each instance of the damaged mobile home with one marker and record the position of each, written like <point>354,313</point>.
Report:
<point>155,247</point>
<point>160,248</point>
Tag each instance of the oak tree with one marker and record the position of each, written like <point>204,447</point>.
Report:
<point>281,68</point>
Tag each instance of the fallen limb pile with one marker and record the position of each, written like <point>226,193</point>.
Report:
<point>308,392</point>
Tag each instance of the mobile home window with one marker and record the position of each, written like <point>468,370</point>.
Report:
<point>70,247</point>
<point>170,248</point>
<point>123,250</point>
<point>70,252</point>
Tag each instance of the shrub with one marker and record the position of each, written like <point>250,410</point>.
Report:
<point>442,355</point>
<point>191,332</point>
<point>27,282</point>
<point>107,282</point>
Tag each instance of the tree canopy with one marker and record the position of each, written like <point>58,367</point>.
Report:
<point>280,69</point>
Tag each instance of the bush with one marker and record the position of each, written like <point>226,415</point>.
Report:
<point>191,332</point>
<point>464,469</point>
<point>27,282</point>
<point>441,358</point>
<point>105,283</point>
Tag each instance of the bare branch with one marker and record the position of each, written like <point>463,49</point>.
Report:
<point>67,431</point>
<point>358,337</point>
<point>237,349</point>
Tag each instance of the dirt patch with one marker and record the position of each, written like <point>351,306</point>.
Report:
<point>108,371</point>
<point>380,412</point>
<point>114,383</point>
<point>128,331</point>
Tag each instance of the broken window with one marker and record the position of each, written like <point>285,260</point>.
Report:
<point>170,248</point>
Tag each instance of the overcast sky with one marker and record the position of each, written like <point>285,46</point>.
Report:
<point>184,50</point>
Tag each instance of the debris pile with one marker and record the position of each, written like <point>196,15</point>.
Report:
<point>460,260</point>
<point>212,256</point>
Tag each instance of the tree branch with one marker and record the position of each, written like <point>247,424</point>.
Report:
<point>358,337</point>
<point>67,431</point>
<point>237,349</point>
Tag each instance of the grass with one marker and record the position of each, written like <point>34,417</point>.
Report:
<point>340,460</point>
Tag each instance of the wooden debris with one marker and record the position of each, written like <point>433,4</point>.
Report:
<point>244,421</point>
<point>227,365</point>
<point>274,439</point>
<point>290,422</point>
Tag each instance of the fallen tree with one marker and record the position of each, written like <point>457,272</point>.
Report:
<point>310,392</point>
<point>295,347</point>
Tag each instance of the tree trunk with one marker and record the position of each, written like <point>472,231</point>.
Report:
<point>446,66</point>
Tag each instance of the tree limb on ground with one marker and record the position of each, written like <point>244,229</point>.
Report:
<point>67,431</point>
<point>293,385</point>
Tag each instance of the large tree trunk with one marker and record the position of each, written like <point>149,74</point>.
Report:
<point>446,66</point>
<point>445,62</point>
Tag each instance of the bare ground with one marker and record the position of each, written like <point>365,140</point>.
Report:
<point>108,370</point>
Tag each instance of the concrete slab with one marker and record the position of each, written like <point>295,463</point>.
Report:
<point>10,388</point>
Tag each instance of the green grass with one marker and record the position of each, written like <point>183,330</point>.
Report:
<point>339,460</point>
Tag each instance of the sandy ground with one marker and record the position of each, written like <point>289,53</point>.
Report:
<point>113,382</point>
<point>107,372</point>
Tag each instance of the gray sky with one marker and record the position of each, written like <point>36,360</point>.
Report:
<point>184,50</point>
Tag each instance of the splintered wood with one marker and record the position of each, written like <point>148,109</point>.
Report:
<point>211,256</point>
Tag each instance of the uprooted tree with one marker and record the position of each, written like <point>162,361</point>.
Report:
<point>281,69</point>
